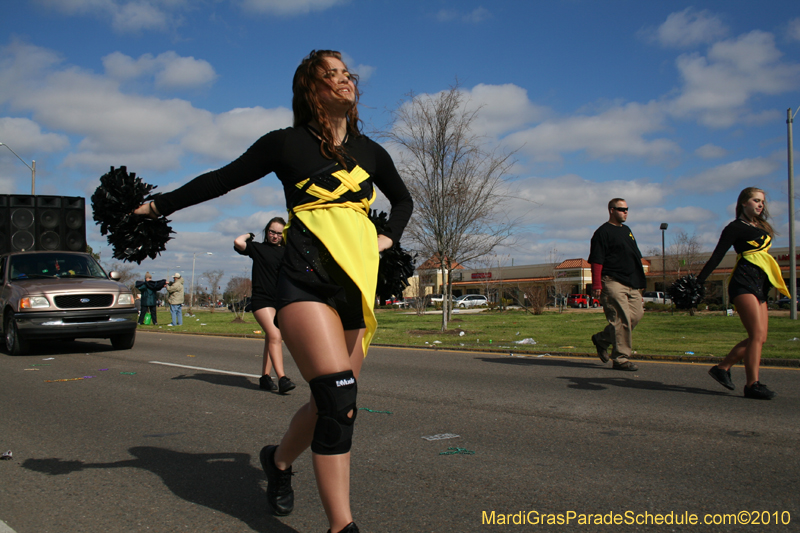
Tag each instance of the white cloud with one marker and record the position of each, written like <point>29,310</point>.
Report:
<point>503,108</point>
<point>24,135</point>
<point>793,30</point>
<point>475,16</point>
<point>616,132</point>
<point>728,176</point>
<point>126,16</point>
<point>711,151</point>
<point>718,87</point>
<point>253,223</point>
<point>146,133</point>
<point>688,28</point>
<point>288,7</point>
<point>169,69</point>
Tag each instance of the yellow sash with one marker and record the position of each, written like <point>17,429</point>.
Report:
<point>761,258</point>
<point>347,232</point>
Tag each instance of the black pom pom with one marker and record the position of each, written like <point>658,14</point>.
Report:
<point>132,238</point>
<point>396,265</point>
<point>686,292</point>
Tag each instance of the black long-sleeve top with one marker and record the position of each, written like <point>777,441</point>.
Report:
<point>739,234</point>
<point>294,155</point>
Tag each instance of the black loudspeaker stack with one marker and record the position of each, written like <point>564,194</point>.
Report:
<point>29,222</point>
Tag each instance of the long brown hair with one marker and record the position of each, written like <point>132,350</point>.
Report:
<point>760,220</point>
<point>306,105</point>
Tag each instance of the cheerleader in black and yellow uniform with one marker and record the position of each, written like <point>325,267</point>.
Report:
<point>755,273</point>
<point>327,280</point>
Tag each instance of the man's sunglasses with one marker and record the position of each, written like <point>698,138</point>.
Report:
<point>621,209</point>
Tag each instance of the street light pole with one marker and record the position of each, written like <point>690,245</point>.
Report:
<point>664,227</point>
<point>792,251</point>
<point>32,168</point>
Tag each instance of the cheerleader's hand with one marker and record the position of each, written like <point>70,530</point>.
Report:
<point>384,243</point>
<point>147,210</point>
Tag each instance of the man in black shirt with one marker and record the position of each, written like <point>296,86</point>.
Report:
<point>617,277</point>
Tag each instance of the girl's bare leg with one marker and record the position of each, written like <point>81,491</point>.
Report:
<point>273,348</point>
<point>755,320</point>
<point>314,335</point>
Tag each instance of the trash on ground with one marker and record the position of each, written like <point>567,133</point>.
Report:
<point>794,339</point>
<point>461,334</point>
<point>41,364</point>
<point>373,410</point>
<point>688,353</point>
<point>442,436</point>
<point>257,332</point>
<point>437,342</point>
<point>40,368</point>
<point>526,341</point>
<point>59,380</point>
<point>6,455</point>
<point>48,359</point>
<point>128,373</point>
<point>187,355</point>
<point>457,451</point>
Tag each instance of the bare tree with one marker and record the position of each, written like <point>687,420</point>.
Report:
<point>490,281</point>
<point>458,185</point>
<point>532,297</point>
<point>214,277</point>
<point>559,285</point>
<point>684,254</point>
<point>237,289</point>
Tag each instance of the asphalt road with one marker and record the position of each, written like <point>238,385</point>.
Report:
<point>142,446</point>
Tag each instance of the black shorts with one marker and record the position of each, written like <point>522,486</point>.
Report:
<point>260,303</point>
<point>749,279</point>
<point>349,308</point>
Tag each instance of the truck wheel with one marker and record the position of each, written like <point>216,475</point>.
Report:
<point>15,344</point>
<point>125,341</point>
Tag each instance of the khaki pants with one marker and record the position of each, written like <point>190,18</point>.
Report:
<point>623,308</point>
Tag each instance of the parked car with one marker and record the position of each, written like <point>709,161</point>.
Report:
<point>60,295</point>
<point>656,297</point>
<point>783,302</point>
<point>244,304</point>
<point>471,300</point>
<point>582,300</point>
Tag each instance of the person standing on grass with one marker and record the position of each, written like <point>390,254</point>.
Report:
<point>755,273</point>
<point>175,299</point>
<point>617,278</point>
<point>329,274</point>
<point>267,257</point>
<point>149,290</point>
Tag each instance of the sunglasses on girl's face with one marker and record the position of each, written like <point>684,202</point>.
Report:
<point>620,209</point>
<point>276,233</point>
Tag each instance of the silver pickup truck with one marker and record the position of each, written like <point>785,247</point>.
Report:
<point>656,297</point>
<point>59,295</point>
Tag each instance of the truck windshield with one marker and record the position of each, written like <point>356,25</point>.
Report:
<point>54,265</point>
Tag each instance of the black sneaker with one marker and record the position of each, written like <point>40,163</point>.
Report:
<point>266,383</point>
<point>758,391</point>
<point>723,377</point>
<point>285,385</point>
<point>349,528</point>
<point>280,495</point>
<point>627,365</point>
<point>602,353</point>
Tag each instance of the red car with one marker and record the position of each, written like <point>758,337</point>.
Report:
<point>582,300</point>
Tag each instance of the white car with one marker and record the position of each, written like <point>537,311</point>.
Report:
<point>471,300</point>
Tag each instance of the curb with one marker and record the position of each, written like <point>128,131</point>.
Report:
<point>786,363</point>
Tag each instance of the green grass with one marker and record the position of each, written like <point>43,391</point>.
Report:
<point>707,334</point>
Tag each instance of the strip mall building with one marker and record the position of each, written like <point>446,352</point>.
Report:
<point>574,276</point>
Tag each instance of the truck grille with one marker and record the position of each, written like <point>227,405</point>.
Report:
<point>79,301</point>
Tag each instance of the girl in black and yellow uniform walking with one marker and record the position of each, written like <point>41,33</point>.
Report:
<point>327,280</point>
<point>755,273</point>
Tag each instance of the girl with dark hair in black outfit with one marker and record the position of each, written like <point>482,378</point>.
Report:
<point>328,277</point>
<point>756,272</point>
<point>267,257</point>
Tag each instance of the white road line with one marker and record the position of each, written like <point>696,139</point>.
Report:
<point>206,369</point>
<point>5,529</point>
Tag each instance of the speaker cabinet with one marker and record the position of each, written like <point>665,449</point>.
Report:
<point>42,223</point>
<point>22,216</point>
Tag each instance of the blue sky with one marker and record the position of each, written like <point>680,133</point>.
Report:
<point>675,106</point>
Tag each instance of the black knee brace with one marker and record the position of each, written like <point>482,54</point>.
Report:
<point>335,396</point>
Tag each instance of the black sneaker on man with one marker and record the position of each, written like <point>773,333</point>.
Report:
<point>285,385</point>
<point>265,382</point>
<point>723,377</point>
<point>280,495</point>
<point>627,365</point>
<point>602,353</point>
<point>758,391</point>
